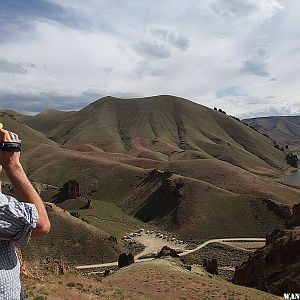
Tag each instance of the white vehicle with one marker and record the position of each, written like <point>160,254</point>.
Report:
<point>141,230</point>
<point>173,239</point>
<point>161,236</point>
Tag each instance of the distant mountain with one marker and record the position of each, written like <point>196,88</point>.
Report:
<point>47,120</point>
<point>285,130</point>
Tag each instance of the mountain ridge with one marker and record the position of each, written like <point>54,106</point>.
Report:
<point>283,129</point>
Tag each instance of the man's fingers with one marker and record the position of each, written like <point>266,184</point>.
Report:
<point>4,136</point>
<point>14,137</point>
<point>8,136</point>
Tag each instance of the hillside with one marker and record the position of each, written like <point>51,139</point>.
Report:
<point>68,241</point>
<point>31,138</point>
<point>219,177</point>
<point>159,279</point>
<point>285,130</point>
<point>47,120</point>
<point>166,128</point>
<point>174,279</point>
<point>195,209</point>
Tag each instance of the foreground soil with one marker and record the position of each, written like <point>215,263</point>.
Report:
<point>158,279</point>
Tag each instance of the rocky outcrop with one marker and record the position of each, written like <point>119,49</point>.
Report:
<point>210,265</point>
<point>71,189</point>
<point>130,259</point>
<point>167,251</point>
<point>24,272</point>
<point>125,260</point>
<point>56,266</point>
<point>280,210</point>
<point>276,267</point>
<point>163,200</point>
<point>295,220</point>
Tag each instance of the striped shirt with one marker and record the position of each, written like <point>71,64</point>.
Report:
<point>17,219</point>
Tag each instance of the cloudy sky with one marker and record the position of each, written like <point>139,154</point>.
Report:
<point>240,55</point>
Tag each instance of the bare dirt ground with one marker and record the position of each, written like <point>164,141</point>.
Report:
<point>154,244</point>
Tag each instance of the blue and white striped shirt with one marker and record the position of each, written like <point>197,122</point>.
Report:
<point>17,219</point>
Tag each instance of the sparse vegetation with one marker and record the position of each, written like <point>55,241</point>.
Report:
<point>213,178</point>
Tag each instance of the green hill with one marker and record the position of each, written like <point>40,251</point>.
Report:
<point>68,241</point>
<point>47,120</point>
<point>285,130</point>
<point>230,173</point>
<point>196,209</point>
<point>164,128</point>
<point>30,137</point>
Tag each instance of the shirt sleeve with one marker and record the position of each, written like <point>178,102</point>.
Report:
<point>17,219</point>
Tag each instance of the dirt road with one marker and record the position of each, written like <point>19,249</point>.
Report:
<point>154,244</point>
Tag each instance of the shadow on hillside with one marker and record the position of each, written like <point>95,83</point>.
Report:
<point>60,197</point>
<point>163,201</point>
<point>155,176</point>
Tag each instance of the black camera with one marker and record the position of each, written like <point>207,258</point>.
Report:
<point>10,146</point>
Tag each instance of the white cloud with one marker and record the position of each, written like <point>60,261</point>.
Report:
<point>258,9</point>
<point>11,67</point>
<point>247,51</point>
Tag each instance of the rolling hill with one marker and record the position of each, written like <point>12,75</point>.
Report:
<point>164,128</point>
<point>68,241</point>
<point>218,176</point>
<point>46,120</point>
<point>285,130</point>
<point>159,279</point>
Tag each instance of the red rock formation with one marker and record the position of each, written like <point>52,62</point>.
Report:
<point>125,260</point>
<point>211,266</point>
<point>167,251</point>
<point>23,267</point>
<point>276,267</point>
<point>71,189</point>
<point>296,215</point>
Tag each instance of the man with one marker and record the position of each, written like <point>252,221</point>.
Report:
<point>20,218</point>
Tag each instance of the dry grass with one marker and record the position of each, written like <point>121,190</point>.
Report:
<point>161,279</point>
<point>246,245</point>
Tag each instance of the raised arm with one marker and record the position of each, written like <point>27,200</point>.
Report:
<point>24,191</point>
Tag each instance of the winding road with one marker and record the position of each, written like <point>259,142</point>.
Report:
<point>185,252</point>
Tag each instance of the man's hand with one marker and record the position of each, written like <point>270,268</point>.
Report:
<point>23,189</point>
<point>9,159</point>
